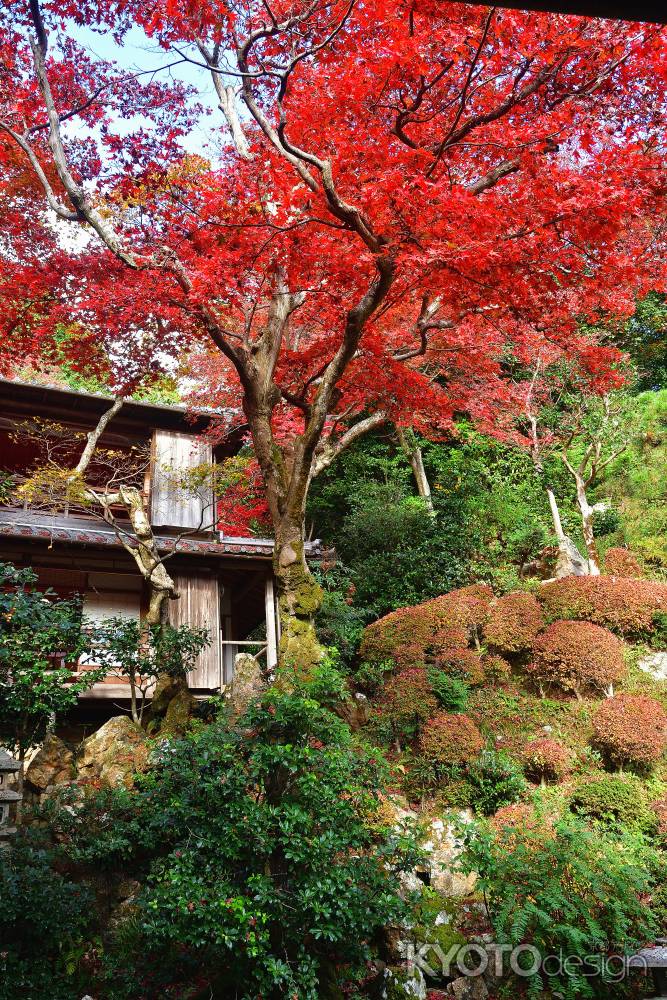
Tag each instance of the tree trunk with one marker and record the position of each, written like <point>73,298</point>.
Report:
<point>414,456</point>
<point>587,529</point>
<point>570,561</point>
<point>299,598</point>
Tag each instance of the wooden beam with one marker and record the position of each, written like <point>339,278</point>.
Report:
<point>271,626</point>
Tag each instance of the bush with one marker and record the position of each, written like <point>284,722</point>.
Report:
<point>624,605</point>
<point>513,622</point>
<point>565,890</point>
<point>546,760</point>
<point>265,857</point>
<point>466,664</point>
<point>615,801</point>
<point>406,703</point>
<point>496,780</point>
<point>452,693</point>
<point>417,635</point>
<point>623,563</point>
<point>496,668</point>
<point>450,739</point>
<point>43,921</point>
<point>631,729</point>
<point>659,807</point>
<point>577,656</point>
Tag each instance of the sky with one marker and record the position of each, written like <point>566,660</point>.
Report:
<point>139,53</point>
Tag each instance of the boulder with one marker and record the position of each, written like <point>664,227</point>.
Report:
<point>404,984</point>
<point>655,664</point>
<point>443,849</point>
<point>355,710</point>
<point>248,682</point>
<point>52,765</point>
<point>468,988</point>
<point>113,754</point>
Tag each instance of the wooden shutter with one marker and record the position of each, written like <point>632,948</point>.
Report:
<point>170,506</point>
<point>199,607</point>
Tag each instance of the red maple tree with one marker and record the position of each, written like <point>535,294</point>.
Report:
<point>398,199</point>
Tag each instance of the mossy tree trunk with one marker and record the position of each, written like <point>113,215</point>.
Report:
<point>299,598</point>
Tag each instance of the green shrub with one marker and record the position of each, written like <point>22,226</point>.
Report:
<point>496,780</point>
<point>452,692</point>
<point>615,801</point>
<point>44,919</point>
<point>263,851</point>
<point>562,890</point>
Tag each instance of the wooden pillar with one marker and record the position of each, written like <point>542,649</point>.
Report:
<point>228,652</point>
<point>271,625</point>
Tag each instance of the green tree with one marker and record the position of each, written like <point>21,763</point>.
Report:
<point>41,639</point>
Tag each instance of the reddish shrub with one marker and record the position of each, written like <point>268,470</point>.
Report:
<point>513,622</point>
<point>450,739</point>
<point>631,729</point>
<point>577,656</point>
<point>660,809</point>
<point>546,760</point>
<point>407,702</point>
<point>496,668</point>
<point>418,634</point>
<point>624,605</point>
<point>623,563</point>
<point>465,664</point>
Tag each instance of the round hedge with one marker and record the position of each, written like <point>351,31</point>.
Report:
<point>464,664</point>
<point>622,562</point>
<point>546,760</point>
<point>419,634</point>
<point>577,656</point>
<point>513,623</point>
<point>450,739</point>
<point>407,701</point>
<point>615,800</point>
<point>627,606</point>
<point>631,729</point>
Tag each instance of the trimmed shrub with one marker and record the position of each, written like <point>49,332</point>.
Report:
<point>418,634</point>
<point>450,739</point>
<point>465,664</point>
<point>616,801</point>
<point>406,703</point>
<point>513,622</point>
<point>546,760</point>
<point>495,780</point>
<point>496,668</point>
<point>631,729</point>
<point>625,605</point>
<point>452,693</point>
<point>623,563</point>
<point>577,656</point>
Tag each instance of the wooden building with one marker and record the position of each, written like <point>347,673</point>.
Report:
<point>225,583</point>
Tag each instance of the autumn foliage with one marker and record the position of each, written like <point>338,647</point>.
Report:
<point>546,760</point>
<point>423,633</point>
<point>631,729</point>
<point>512,623</point>
<point>577,657</point>
<point>625,605</point>
<point>407,702</point>
<point>622,562</point>
<point>450,739</point>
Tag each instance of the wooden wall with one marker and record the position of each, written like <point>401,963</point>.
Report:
<point>199,607</point>
<point>170,506</point>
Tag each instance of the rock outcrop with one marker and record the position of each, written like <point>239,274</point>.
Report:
<point>247,683</point>
<point>51,766</point>
<point>113,754</point>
